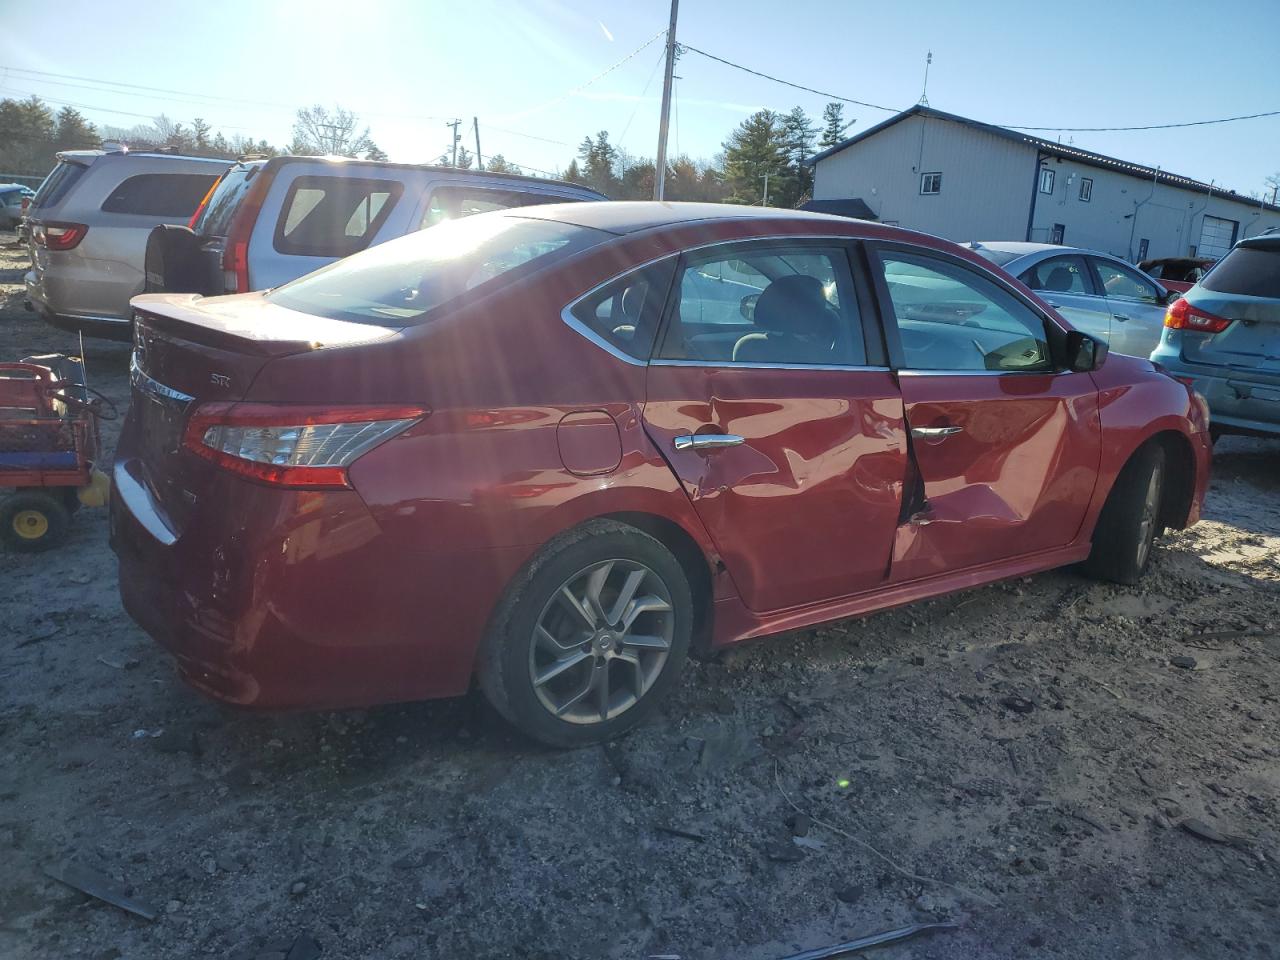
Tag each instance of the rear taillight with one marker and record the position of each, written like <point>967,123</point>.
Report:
<point>58,236</point>
<point>288,445</point>
<point>195,217</point>
<point>235,251</point>
<point>1183,316</point>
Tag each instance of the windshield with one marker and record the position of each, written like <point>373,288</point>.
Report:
<point>399,281</point>
<point>215,218</point>
<point>998,257</point>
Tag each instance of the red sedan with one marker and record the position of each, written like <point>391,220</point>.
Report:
<point>556,448</point>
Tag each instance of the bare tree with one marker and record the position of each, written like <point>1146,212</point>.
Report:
<point>330,132</point>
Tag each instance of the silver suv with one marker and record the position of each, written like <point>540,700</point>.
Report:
<point>271,221</point>
<point>88,228</point>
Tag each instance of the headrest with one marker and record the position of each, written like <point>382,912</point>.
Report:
<point>796,305</point>
<point>633,301</point>
<point>1059,280</point>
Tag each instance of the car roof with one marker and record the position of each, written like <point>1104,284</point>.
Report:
<point>1026,249</point>
<point>390,165</point>
<point>630,216</point>
<point>85,157</point>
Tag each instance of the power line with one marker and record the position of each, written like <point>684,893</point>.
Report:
<point>599,76</point>
<point>787,83</point>
<point>1011,126</point>
<point>528,136</point>
<point>643,93</point>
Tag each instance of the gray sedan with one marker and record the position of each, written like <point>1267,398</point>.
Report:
<point>1099,294</point>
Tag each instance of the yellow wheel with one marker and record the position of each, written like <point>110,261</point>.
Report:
<point>30,524</point>
<point>32,520</point>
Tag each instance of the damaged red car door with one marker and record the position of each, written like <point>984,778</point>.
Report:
<point>1005,444</point>
<point>790,445</point>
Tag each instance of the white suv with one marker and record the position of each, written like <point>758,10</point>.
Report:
<point>88,226</point>
<point>271,221</point>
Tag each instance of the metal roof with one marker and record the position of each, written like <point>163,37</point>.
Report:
<point>1052,148</point>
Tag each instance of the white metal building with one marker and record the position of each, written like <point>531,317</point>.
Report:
<point>964,180</point>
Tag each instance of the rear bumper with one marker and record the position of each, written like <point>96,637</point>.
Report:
<point>105,327</point>
<point>290,599</point>
<point>1237,403</point>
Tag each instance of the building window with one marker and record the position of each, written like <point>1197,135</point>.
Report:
<point>1059,231</point>
<point>930,183</point>
<point>1143,245</point>
<point>1046,181</point>
<point>1086,189</point>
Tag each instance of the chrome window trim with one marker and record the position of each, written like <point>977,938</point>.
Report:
<point>730,365</point>
<point>581,328</point>
<point>983,373</point>
<point>149,384</point>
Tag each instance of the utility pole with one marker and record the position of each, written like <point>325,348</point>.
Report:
<point>475,122</point>
<point>765,201</point>
<point>454,124</point>
<point>660,167</point>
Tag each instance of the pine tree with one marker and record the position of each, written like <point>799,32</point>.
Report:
<point>599,162</point>
<point>834,125</point>
<point>572,173</point>
<point>758,147</point>
<point>465,160</point>
<point>74,132</point>
<point>799,130</point>
<point>499,164</point>
<point>200,131</point>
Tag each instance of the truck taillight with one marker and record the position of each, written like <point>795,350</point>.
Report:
<point>235,251</point>
<point>1183,316</point>
<point>290,445</point>
<point>58,236</point>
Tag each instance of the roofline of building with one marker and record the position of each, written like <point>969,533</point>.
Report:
<point>1055,150</point>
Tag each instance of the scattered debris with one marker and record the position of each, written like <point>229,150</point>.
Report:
<point>679,832</point>
<point>95,884</point>
<point>849,893</point>
<point>809,843</point>
<point>1017,704</point>
<point>1202,830</point>
<point>1084,817</point>
<point>873,940</point>
<point>42,630</point>
<point>784,852</point>
<point>1186,663</point>
<point>799,824</point>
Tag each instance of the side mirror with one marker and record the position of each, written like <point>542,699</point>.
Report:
<point>1085,353</point>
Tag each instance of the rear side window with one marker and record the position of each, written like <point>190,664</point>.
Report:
<point>625,313</point>
<point>1247,272</point>
<point>215,219</point>
<point>397,282</point>
<point>173,195</point>
<point>327,216</point>
<point>450,203</point>
<point>57,184</point>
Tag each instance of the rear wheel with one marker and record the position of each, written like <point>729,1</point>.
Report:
<point>1130,520</point>
<point>31,521</point>
<point>590,637</point>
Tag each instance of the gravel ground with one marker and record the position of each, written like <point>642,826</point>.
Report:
<point>1025,759</point>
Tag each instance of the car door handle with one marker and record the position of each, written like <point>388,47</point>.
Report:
<point>933,433</point>
<point>1120,316</point>
<point>707,441</point>
<point>1053,303</point>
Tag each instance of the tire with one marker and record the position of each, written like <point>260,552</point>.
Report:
<point>31,521</point>
<point>597,680</point>
<point>1130,520</point>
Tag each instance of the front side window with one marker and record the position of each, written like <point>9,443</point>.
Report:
<point>450,203</point>
<point>930,183</point>
<point>1046,181</point>
<point>170,195</point>
<point>1121,282</point>
<point>1058,275</point>
<point>950,318</point>
<point>326,216</point>
<point>396,283</point>
<point>1086,189</point>
<point>774,304</point>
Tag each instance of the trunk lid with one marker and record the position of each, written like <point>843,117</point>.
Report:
<point>190,350</point>
<point>1245,289</point>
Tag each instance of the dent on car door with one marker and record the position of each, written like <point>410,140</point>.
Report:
<point>1136,304</point>
<point>1005,444</point>
<point>1066,284</point>
<point>788,442</point>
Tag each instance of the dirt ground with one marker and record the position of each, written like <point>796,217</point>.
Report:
<point>1021,759</point>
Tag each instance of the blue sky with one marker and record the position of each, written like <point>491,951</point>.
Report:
<point>521,67</point>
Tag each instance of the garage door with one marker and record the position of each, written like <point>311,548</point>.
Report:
<point>1216,237</point>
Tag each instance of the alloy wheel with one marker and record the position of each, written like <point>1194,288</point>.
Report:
<point>601,641</point>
